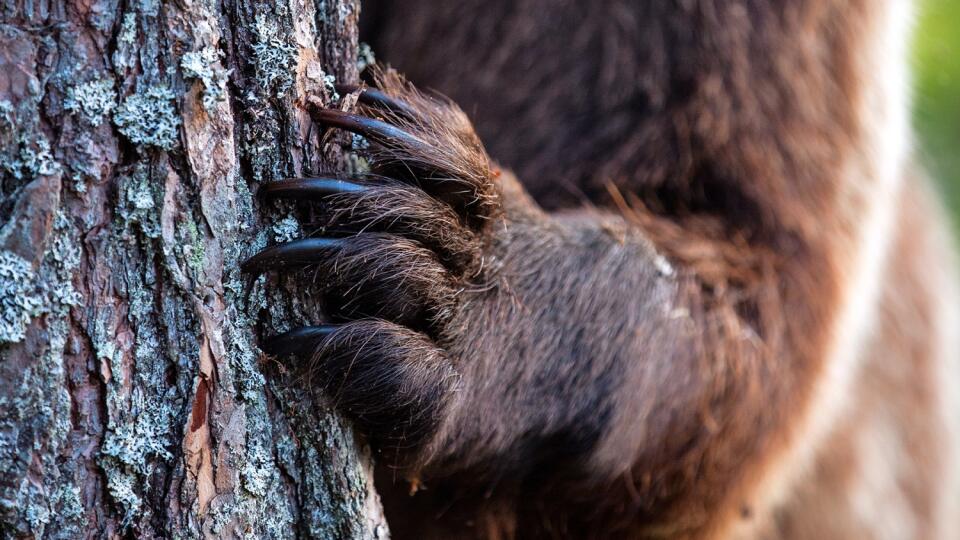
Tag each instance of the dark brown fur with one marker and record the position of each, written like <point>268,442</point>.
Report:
<point>554,375</point>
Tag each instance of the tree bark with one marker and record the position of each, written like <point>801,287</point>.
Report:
<point>134,401</point>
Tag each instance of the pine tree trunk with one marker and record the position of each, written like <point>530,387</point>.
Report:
<point>133,399</point>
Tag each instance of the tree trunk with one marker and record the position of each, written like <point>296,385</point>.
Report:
<point>133,399</point>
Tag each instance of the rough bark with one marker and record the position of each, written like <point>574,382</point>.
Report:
<point>133,399</point>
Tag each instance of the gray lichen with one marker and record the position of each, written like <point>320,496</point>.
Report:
<point>82,159</point>
<point>250,382</point>
<point>37,413</point>
<point>64,255</point>
<point>258,140</point>
<point>138,202</point>
<point>24,294</point>
<point>334,13</point>
<point>315,446</point>
<point>286,229</point>
<point>143,395</point>
<point>205,67</point>
<point>124,57</point>
<point>93,100</point>
<point>128,30</point>
<point>252,455</point>
<point>358,143</point>
<point>134,442</point>
<point>365,57</point>
<point>139,333</point>
<point>131,446</point>
<point>149,118</point>
<point>20,299</point>
<point>274,56</point>
<point>258,471</point>
<point>28,157</point>
<point>67,498</point>
<point>142,411</point>
<point>330,85</point>
<point>357,163</point>
<point>6,114</point>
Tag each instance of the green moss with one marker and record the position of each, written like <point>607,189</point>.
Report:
<point>191,248</point>
<point>936,109</point>
<point>20,299</point>
<point>93,100</point>
<point>205,67</point>
<point>149,118</point>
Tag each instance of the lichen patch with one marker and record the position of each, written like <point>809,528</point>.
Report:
<point>204,66</point>
<point>20,300</point>
<point>93,100</point>
<point>149,118</point>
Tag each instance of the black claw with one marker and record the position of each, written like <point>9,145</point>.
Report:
<point>376,98</point>
<point>295,253</point>
<point>310,188</point>
<point>377,130</point>
<point>299,340</point>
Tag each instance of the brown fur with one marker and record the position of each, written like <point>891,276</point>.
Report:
<point>554,375</point>
<point>895,421</point>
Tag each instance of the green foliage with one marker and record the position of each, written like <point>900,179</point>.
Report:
<point>936,111</point>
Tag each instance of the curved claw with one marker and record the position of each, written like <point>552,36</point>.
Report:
<point>295,253</point>
<point>298,340</point>
<point>310,188</point>
<point>377,130</point>
<point>376,98</point>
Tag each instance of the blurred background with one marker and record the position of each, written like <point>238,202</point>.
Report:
<point>936,114</point>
